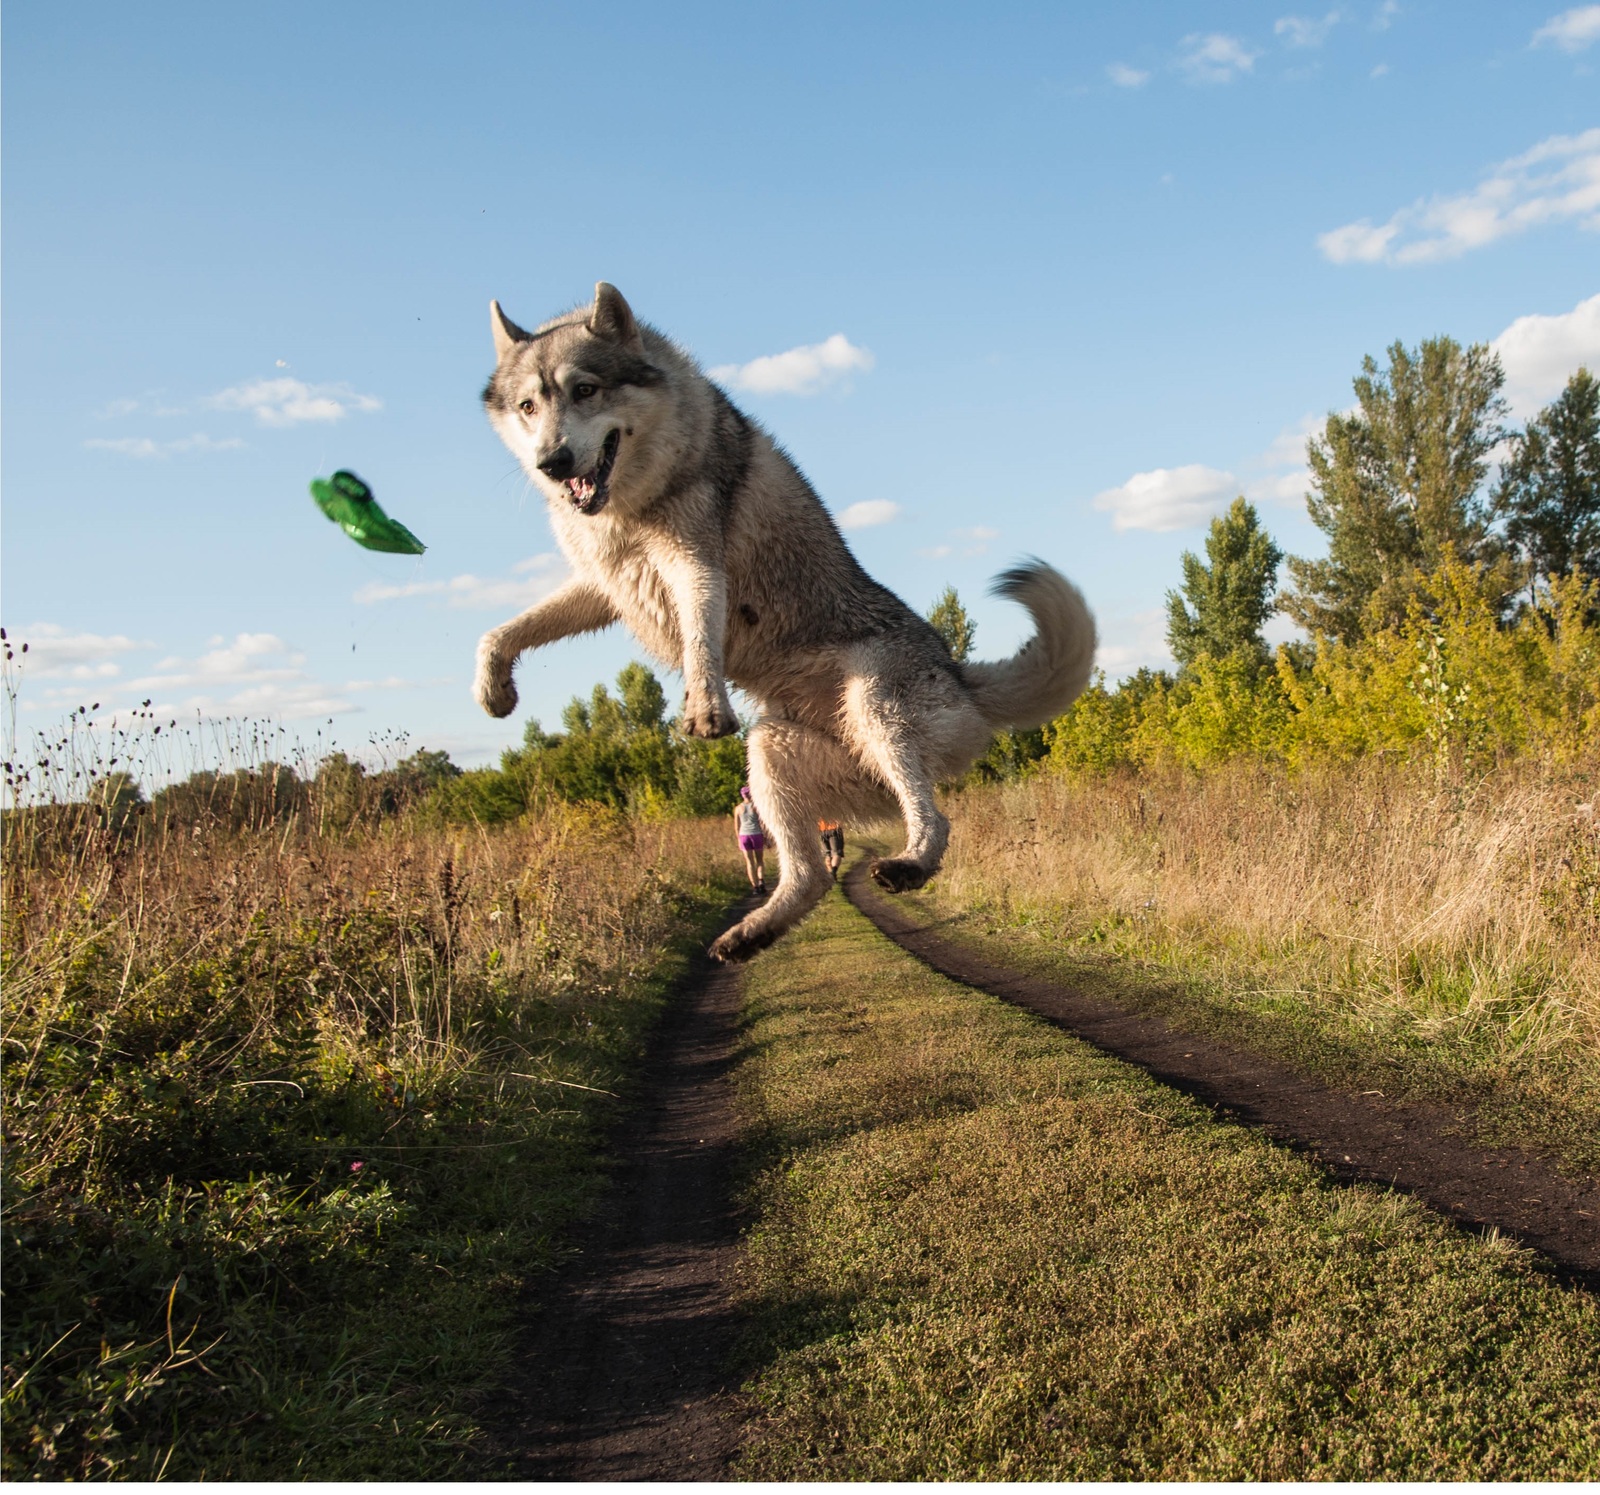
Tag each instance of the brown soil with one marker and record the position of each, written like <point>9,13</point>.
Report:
<point>1416,1148</point>
<point>623,1369</point>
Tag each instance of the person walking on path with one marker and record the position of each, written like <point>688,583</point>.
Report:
<point>832,844</point>
<point>752,839</point>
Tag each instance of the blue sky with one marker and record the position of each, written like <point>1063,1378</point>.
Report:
<point>1005,280</point>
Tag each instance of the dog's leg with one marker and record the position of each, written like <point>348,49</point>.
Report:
<point>888,742</point>
<point>698,587</point>
<point>577,607</point>
<point>796,775</point>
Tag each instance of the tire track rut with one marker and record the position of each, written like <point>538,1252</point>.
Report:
<point>623,1370</point>
<point>1410,1146</point>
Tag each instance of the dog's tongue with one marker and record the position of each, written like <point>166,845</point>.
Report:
<point>582,489</point>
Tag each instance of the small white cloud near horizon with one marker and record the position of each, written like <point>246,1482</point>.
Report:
<point>146,446</point>
<point>1215,58</point>
<point>1168,498</point>
<point>1540,353</point>
<point>1557,181</point>
<point>868,512</point>
<point>1572,30</point>
<point>1132,641</point>
<point>293,402</point>
<point>531,581</point>
<point>55,654</point>
<point>799,371</point>
<point>1127,77</point>
<point>1305,31</point>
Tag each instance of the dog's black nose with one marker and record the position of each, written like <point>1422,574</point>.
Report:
<point>558,464</point>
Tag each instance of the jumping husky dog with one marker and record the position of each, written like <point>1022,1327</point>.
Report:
<point>683,519</point>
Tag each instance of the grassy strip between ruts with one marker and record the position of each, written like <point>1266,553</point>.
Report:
<point>982,1250</point>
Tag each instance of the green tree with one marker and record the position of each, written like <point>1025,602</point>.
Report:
<point>1226,598</point>
<point>1397,486</point>
<point>644,702</point>
<point>954,625</point>
<point>1550,486</point>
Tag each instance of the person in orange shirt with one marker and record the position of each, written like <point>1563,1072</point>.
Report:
<point>832,844</point>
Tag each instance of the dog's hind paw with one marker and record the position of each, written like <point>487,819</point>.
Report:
<point>898,875</point>
<point>740,943</point>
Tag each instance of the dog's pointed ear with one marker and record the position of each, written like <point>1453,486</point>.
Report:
<point>612,317</point>
<point>506,332</point>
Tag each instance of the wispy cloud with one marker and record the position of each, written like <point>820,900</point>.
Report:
<point>869,512</point>
<point>293,402</point>
<point>1305,31</point>
<point>531,580</point>
<point>1215,58</point>
<point>1127,77</point>
<point>1384,18</point>
<point>800,371</point>
<point>146,446</point>
<point>1129,641</point>
<point>54,653</point>
<point>1539,354</point>
<point>1558,181</point>
<point>252,675</point>
<point>1572,30</point>
<point>973,541</point>
<point>1168,498</point>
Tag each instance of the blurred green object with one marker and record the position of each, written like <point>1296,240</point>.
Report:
<point>346,500</point>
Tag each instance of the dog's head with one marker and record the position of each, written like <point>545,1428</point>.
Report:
<point>568,398</point>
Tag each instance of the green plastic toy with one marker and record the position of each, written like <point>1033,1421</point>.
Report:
<point>346,500</point>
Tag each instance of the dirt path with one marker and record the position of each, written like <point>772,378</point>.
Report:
<point>623,1367</point>
<point>1415,1148</point>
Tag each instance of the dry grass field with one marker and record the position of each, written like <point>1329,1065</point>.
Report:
<point>1358,919</point>
<point>292,1117</point>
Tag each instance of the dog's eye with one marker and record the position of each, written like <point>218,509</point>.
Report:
<point>526,407</point>
<point>584,391</point>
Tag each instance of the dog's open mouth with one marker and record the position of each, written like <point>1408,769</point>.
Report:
<point>590,492</point>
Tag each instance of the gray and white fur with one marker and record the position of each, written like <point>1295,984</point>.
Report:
<point>683,519</point>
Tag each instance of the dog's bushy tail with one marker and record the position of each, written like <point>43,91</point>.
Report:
<point>1047,673</point>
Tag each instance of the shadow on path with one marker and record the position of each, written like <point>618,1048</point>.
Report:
<point>622,1373</point>
<point>1409,1146</point>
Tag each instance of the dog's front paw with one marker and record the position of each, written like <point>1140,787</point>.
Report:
<point>898,875</point>
<point>741,942</point>
<point>706,715</point>
<point>493,686</point>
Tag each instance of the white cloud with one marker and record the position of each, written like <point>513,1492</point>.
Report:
<point>1215,58</point>
<point>1557,181</point>
<point>1305,31</point>
<point>869,512</point>
<point>1168,498</point>
<point>291,402</point>
<point>55,654</point>
<point>145,446</point>
<point>254,675</point>
<point>1386,14</point>
<point>936,552</point>
<point>1127,77</point>
<point>1572,30</point>
<point>1379,71</point>
<point>1539,354</point>
<point>531,581</point>
<point>1130,641</point>
<point>800,371</point>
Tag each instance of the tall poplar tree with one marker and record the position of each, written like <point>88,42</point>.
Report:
<point>1397,486</point>
<point>1550,486</point>
<point>1226,598</point>
<point>953,624</point>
